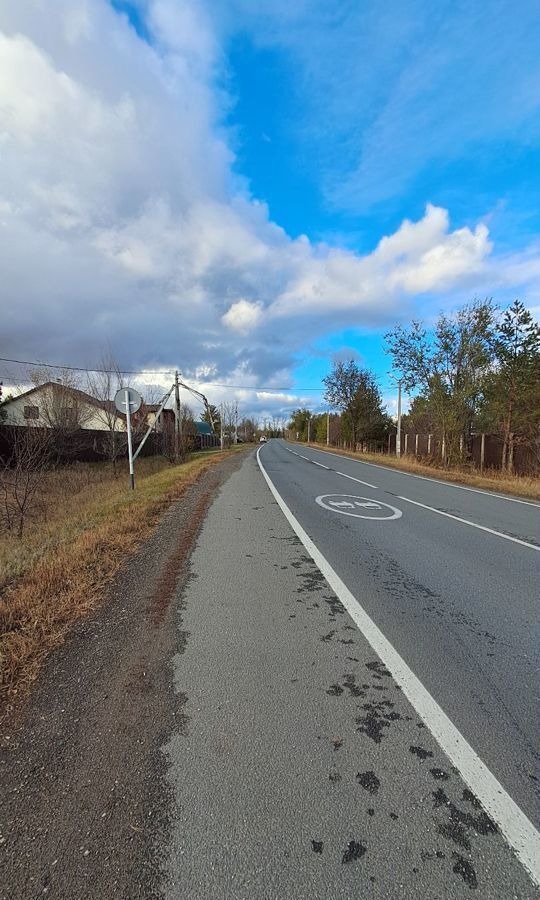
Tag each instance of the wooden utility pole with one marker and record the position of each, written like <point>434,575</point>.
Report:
<point>177,418</point>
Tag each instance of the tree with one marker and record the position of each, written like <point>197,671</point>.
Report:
<point>299,424</point>
<point>229,412</point>
<point>247,429</point>
<point>513,390</point>
<point>216,416</point>
<point>449,367</point>
<point>22,472</point>
<point>355,392</point>
<point>103,386</point>
<point>64,409</point>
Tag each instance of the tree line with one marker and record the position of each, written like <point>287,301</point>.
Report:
<point>477,370</point>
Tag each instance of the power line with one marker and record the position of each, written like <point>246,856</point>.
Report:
<point>43,365</point>
<point>141,374</point>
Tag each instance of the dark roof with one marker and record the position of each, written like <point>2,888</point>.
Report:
<point>203,428</point>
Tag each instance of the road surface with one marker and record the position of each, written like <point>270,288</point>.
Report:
<point>224,730</point>
<point>458,602</point>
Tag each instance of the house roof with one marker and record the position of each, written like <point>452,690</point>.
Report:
<point>203,428</point>
<point>66,389</point>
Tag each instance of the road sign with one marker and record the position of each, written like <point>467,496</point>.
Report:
<point>121,400</point>
<point>359,507</point>
<point>128,401</point>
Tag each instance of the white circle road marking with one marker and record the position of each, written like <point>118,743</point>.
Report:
<point>351,505</point>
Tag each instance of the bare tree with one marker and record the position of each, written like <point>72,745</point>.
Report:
<point>64,409</point>
<point>229,415</point>
<point>103,386</point>
<point>22,472</point>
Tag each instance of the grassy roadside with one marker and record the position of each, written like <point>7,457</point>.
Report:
<point>89,522</point>
<point>492,480</point>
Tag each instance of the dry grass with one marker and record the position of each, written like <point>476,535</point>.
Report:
<point>491,480</point>
<point>87,522</point>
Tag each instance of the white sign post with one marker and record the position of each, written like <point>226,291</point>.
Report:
<point>128,401</point>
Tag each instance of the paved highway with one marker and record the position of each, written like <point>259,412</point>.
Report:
<point>458,602</point>
<point>305,685</point>
<point>301,768</point>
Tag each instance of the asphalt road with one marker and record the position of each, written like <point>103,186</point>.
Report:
<point>301,769</point>
<point>460,604</point>
<point>222,728</point>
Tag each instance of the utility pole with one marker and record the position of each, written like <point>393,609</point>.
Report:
<point>130,441</point>
<point>177,418</point>
<point>328,428</point>
<point>308,427</point>
<point>398,435</point>
<point>221,425</point>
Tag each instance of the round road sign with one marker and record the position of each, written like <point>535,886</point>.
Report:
<point>125,395</point>
<point>359,507</point>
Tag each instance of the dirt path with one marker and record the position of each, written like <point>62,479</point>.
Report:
<point>84,811</point>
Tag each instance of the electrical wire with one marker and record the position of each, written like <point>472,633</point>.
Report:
<point>142,373</point>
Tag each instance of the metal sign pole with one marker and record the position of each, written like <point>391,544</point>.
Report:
<point>130,443</point>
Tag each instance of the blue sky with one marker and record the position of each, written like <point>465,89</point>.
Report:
<point>452,88</point>
<point>245,190</point>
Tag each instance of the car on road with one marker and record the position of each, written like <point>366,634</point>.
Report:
<point>263,439</point>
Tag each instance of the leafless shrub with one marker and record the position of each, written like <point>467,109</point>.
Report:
<point>23,470</point>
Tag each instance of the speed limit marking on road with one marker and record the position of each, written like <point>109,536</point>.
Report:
<point>359,507</point>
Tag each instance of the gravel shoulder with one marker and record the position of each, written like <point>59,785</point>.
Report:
<point>84,806</point>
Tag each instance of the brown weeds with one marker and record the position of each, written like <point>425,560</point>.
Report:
<point>88,523</point>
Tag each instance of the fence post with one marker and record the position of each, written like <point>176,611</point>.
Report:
<point>482,450</point>
<point>429,445</point>
<point>416,446</point>
<point>406,442</point>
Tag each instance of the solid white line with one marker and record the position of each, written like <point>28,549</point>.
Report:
<point>367,484</point>
<point>513,823</point>
<point>500,534</point>
<point>451,484</point>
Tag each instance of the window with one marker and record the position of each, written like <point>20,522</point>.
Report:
<point>31,412</point>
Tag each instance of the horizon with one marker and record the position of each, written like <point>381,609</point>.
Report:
<point>247,195</point>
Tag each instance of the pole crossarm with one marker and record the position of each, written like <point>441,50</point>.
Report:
<point>150,427</point>
<point>204,400</point>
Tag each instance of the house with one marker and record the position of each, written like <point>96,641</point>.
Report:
<point>205,437</point>
<point>56,405</point>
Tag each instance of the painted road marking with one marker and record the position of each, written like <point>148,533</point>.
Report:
<point>366,483</point>
<point>512,821</point>
<point>351,505</point>
<point>319,464</point>
<point>451,484</point>
<point>500,534</point>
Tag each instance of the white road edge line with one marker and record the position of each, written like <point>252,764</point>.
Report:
<point>460,487</point>
<point>500,534</point>
<point>513,823</point>
<point>367,484</point>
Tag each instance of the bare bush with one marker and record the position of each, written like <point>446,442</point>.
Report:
<point>22,474</point>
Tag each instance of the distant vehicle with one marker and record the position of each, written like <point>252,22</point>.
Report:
<point>263,439</point>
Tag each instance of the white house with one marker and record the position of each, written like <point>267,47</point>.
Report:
<point>54,405</point>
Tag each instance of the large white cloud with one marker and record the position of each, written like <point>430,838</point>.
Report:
<point>122,224</point>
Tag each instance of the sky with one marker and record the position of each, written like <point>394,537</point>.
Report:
<point>248,191</point>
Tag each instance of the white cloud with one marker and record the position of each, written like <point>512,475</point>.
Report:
<point>243,316</point>
<point>120,225</point>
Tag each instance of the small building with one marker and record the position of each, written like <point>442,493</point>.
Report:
<point>205,436</point>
